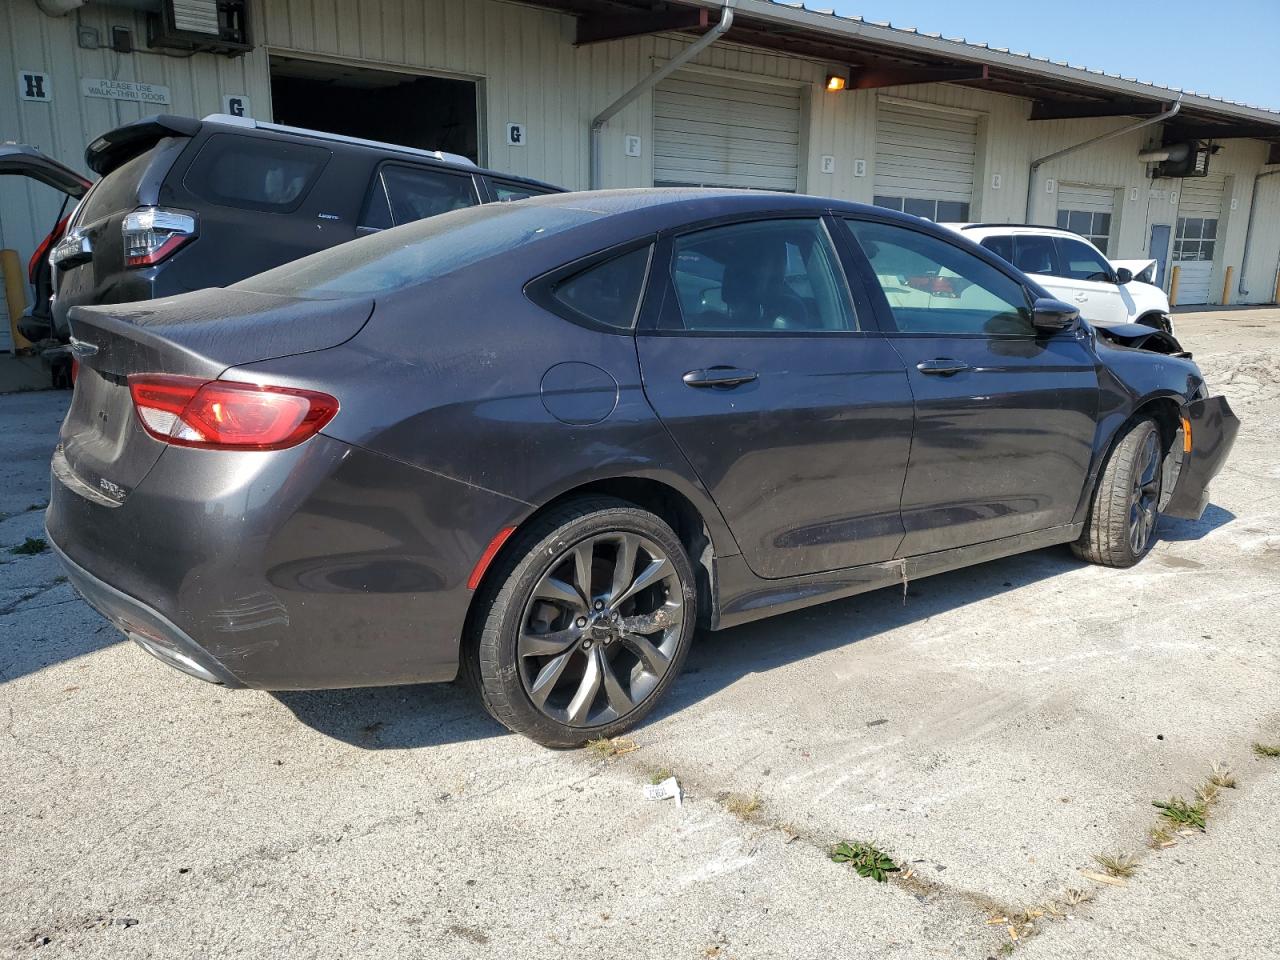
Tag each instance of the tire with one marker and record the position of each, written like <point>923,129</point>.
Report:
<point>1126,503</point>
<point>562,669</point>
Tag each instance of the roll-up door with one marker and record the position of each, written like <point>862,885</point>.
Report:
<point>1087,211</point>
<point>925,161</point>
<point>1195,239</point>
<point>716,134</point>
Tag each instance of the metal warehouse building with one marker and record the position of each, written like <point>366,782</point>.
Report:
<point>940,127</point>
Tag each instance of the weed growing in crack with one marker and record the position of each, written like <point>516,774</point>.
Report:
<point>867,860</point>
<point>1179,813</point>
<point>1270,750</point>
<point>1117,864</point>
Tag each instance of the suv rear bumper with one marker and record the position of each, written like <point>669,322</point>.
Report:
<point>1213,433</point>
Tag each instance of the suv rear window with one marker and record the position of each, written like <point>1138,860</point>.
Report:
<point>253,173</point>
<point>115,192</point>
<point>416,252</point>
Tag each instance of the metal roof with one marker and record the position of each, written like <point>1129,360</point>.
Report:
<point>1056,87</point>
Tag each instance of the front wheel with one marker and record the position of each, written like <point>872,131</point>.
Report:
<point>585,625</point>
<point>1126,503</point>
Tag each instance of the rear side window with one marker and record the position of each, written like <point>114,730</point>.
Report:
<point>1002,247</point>
<point>1036,254</point>
<point>609,292</point>
<point>415,253</point>
<point>256,174</point>
<point>415,193</point>
<point>504,192</point>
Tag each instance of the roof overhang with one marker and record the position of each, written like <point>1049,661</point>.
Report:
<point>878,55</point>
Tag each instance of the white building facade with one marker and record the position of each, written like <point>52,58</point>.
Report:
<point>752,110</point>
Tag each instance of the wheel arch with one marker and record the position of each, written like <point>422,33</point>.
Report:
<point>663,500</point>
<point>1164,408</point>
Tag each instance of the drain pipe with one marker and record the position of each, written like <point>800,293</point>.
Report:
<point>1248,230</point>
<point>609,112</point>
<point>1037,164</point>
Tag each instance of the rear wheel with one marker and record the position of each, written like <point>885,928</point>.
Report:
<point>1126,504</point>
<point>585,625</point>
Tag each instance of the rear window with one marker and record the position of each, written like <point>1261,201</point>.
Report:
<point>507,192</point>
<point>253,173</point>
<point>115,192</point>
<point>416,252</point>
<point>609,292</point>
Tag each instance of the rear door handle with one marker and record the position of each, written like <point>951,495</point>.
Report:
<point>1081,297</point>
<point>942,367</point>
<point>719,377</point>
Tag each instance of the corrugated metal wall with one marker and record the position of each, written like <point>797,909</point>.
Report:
<point>530,72</point>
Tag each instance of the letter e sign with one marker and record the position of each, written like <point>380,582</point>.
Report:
<point>34,86</point>
<point>515,134</point>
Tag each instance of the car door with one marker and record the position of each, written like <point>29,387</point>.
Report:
<point>1004,414</point>
<point>1099,294</point>
<point>787,401</point>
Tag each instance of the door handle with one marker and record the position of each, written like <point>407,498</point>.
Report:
<point>1081,297</point>
<point>719,377</point>
<point>942,367</point>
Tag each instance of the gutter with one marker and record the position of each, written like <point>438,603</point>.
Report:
<point>1032,179</point>
<point>648,83</point>
<point>1248,230</point>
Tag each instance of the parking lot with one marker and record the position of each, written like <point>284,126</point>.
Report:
<point>992,730</point>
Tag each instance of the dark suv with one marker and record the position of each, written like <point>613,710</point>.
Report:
<point>186,204</point>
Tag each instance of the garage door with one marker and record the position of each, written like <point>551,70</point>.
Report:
<point>1087,211</point>
<point>925,161</point>
<point>714,134</point>
<point>1195,239</point>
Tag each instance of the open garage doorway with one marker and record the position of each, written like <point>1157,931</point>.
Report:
<point>432,113</point>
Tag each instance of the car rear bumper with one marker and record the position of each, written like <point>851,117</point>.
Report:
<point>146,627</point>
<point>1213,433</point>
<point>316,567</point>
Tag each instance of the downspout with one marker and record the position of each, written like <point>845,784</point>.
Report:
<point>609,112</point>
<point>1123,131</point>
<point>1248,230</point>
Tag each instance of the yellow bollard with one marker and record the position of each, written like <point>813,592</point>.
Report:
<point>1226,287</point>
<point>1173,286</point>
<point>14,295</point>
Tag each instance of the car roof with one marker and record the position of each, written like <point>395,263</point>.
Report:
<point>1011,228</point>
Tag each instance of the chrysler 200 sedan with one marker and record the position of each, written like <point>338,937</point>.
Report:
<point>538,444</point>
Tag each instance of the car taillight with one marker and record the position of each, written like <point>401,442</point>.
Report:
<point>224,415</point>
<point>42,251</point>
<point>153,233</point>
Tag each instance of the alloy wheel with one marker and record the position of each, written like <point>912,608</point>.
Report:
<point>1145,497</point>
<point>600,629</point>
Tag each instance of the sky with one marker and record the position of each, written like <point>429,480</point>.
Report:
<point>1225,48</point>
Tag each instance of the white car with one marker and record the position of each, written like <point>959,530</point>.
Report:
<point>1109,293</point>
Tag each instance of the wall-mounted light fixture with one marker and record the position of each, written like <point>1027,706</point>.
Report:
<point>836,82</point>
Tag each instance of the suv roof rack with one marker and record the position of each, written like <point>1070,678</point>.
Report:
<point>1026,226</point>
<point>249,122</point>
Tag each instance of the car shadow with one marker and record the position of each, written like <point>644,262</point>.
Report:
<point>1177,531</point>
<point>398,718</point>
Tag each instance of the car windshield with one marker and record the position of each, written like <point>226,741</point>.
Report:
<point>415,252</point>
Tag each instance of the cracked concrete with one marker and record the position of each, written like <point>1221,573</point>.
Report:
<point>992,733</point>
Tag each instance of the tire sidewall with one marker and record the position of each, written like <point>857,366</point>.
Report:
<point>503,625</point>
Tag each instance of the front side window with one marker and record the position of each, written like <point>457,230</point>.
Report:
<point>505,192</point>
<point>935,287</point>
<point>415,193</point>
<point>939,211</point>
<point>608,292</point>
<point>1081,262</point>
<point>764,276</point>
<point>256,174</point>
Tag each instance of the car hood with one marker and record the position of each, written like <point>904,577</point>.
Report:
<point>20,160</point>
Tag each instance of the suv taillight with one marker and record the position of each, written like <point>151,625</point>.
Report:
<point>226,415</point>
<point>153,233</point>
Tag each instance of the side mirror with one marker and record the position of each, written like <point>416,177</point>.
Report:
<point>1123,275</point>
<point>1052,315</point>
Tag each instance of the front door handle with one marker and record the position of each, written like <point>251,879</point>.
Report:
<point>1081,297</point>
<point>942,367</point>
<point>719,377</point>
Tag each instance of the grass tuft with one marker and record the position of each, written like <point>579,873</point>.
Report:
<point>30,546</point>
<point>1161,836</point>
<point>867,860</point>
<point>606,749</point>
<point>1220,775</point>
<point>1117,864</point>
<point>1179,813</point>
<point>742,806</point>
<point>1266,750</point>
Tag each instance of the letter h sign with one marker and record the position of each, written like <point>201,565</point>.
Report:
<point>34,86</point>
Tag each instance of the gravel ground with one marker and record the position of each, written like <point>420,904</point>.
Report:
<point>992,732</point>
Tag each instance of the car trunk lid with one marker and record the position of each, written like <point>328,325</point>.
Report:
<point>103,447</point>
